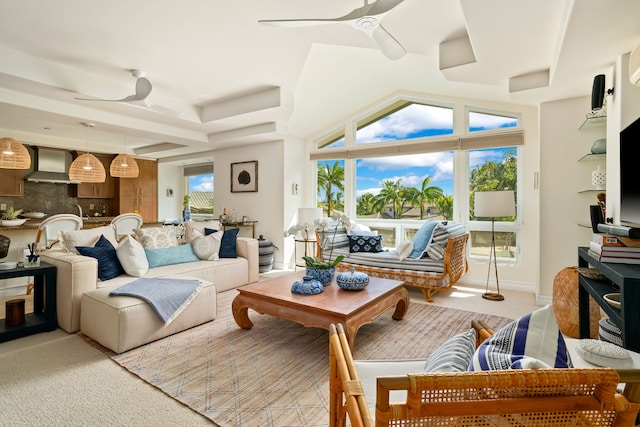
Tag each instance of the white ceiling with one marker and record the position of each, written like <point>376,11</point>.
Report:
<point>221,79</point>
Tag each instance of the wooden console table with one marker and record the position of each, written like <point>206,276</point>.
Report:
<point>623,278</point>
<point>43,318</point>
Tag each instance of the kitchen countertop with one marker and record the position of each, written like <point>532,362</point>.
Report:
<point>93,222</point>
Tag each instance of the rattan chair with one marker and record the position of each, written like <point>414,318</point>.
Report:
<point>125,224</point>
<point>541,397</point>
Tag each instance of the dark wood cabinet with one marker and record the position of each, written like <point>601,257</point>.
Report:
<point>623,278</point>
<point>140,195</point>
<point>11,182</point>
<point>100,190</point>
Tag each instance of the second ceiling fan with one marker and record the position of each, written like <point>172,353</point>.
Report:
<point>366,18</point>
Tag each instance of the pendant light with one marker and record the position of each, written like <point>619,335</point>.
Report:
<point>87,167</point>
<point>13,155</point>
<point>124,165</point>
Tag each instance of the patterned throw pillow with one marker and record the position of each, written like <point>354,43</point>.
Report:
<point>534,341</point>
<point>365,244</point>
<point>440,239</point>
<point>156,237</point>
<point>104,252</point>
<point>206,247</point>
<point>454,355</point>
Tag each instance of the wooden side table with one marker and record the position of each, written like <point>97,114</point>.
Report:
<point>43,317</point>
<point>241,224</point>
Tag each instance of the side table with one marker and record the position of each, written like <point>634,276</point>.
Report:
<point>240,224</point>
<point>310,249</point>
<point>43,318</point>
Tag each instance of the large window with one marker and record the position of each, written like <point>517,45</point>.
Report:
<point>404,164</point>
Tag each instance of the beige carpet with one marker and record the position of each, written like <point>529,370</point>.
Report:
<point>276,373</point>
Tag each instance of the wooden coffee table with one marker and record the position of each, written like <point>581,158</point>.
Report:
<point>351,308</point>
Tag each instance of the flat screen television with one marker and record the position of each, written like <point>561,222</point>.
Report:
<point>630,175</point>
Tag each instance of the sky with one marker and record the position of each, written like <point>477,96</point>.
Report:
<point>415,121</point>
<point>201,183</point>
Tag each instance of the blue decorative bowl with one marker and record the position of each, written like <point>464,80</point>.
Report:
<point>352,280</point>
<point>322,275</point>
<point>307,286</point>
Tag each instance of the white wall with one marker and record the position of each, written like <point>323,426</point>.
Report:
<point>170,177</point>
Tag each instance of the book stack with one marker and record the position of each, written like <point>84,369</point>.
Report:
<point>616,249</point>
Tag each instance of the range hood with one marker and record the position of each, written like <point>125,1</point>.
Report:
<point>50,165</point>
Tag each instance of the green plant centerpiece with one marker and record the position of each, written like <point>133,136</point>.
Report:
<point>318,268</point>
<point>186,212</point>
<point>10,214</point>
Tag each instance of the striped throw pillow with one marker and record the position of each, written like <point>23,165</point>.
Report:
<point>440,238</point>
<point>532,342</point>
<point>454,355</point>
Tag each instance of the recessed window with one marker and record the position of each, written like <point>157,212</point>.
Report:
<point>485,121</point>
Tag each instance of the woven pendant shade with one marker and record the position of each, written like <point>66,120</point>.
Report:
<point>124,166</point>
<point>87,168</point>
<point>13,155</point>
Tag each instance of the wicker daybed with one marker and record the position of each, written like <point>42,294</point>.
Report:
<point>430,275</point>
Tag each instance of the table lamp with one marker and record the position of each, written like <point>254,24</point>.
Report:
<point>494,204</point>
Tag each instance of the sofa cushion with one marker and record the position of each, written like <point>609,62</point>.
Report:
<point>206,247</point>
<point>156,237</point>
<point>531,342</point>
<point>104,252</point>
<point>86,237</point>
<point>171,255</point>
<point>422,238</point>
<point>227,243</point>
<point>454,355</point>
<point>132,257</point>
<point>440,238</point>
<point>371,244</point>
<point>200,227</point>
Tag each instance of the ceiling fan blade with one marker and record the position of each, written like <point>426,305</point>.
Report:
<point>143,89</point>
<point>388,45</point>
<point>292,23</point>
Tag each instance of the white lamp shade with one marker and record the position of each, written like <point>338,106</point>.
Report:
<point>492,204</point>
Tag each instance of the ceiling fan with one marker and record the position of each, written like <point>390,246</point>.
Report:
<point>366,19</point>
<point>143,89</point>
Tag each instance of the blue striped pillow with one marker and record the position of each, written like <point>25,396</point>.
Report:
<point>454,355</point>
<point>534,341</point>
<point>440,238</point>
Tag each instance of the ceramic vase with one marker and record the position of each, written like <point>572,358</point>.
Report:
<point>322,275</point>
<point>307,286</point>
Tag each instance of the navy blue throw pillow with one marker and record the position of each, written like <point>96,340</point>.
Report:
<point>108,264</point>
<point>228,243</point>
<point>365,244</point>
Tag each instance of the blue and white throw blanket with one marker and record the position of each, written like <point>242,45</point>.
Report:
<point>168,297</point>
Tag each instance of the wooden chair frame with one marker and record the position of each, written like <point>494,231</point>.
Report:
<point>541,397</point>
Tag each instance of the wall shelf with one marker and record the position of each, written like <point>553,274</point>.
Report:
<point>593,123</point>
<point>593,157</point>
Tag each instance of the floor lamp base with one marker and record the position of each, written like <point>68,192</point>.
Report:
<point>493,296</point>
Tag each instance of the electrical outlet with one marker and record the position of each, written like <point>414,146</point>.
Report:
<point>91,206</point>
<point>3,206</point>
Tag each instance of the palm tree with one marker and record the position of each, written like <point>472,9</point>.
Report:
<point>366,204</point>
<point>427,194</point>
<point>445,205</point>
<point>391,194</point>
<point>329,176</point>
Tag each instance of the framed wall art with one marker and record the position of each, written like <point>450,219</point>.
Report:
<point>244,177</point>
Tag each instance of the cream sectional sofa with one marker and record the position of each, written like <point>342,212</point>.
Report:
<point>129,322</point>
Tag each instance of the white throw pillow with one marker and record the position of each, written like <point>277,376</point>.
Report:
<point>404,249</point>
<point>199,226</point>
<point>156,237</point>
<point>206,247</point>
<point>132,257</point>
<point>86,237</point>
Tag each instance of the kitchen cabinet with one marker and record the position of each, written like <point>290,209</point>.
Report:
<point>99,190</point>
<point>11,182</point>
<point>140,195</point>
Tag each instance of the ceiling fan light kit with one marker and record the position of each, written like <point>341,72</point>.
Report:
<point>13,154</point>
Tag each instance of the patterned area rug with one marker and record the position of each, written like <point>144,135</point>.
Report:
<point>276,374</point>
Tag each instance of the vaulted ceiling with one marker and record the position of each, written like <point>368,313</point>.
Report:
<point>221,79</point>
